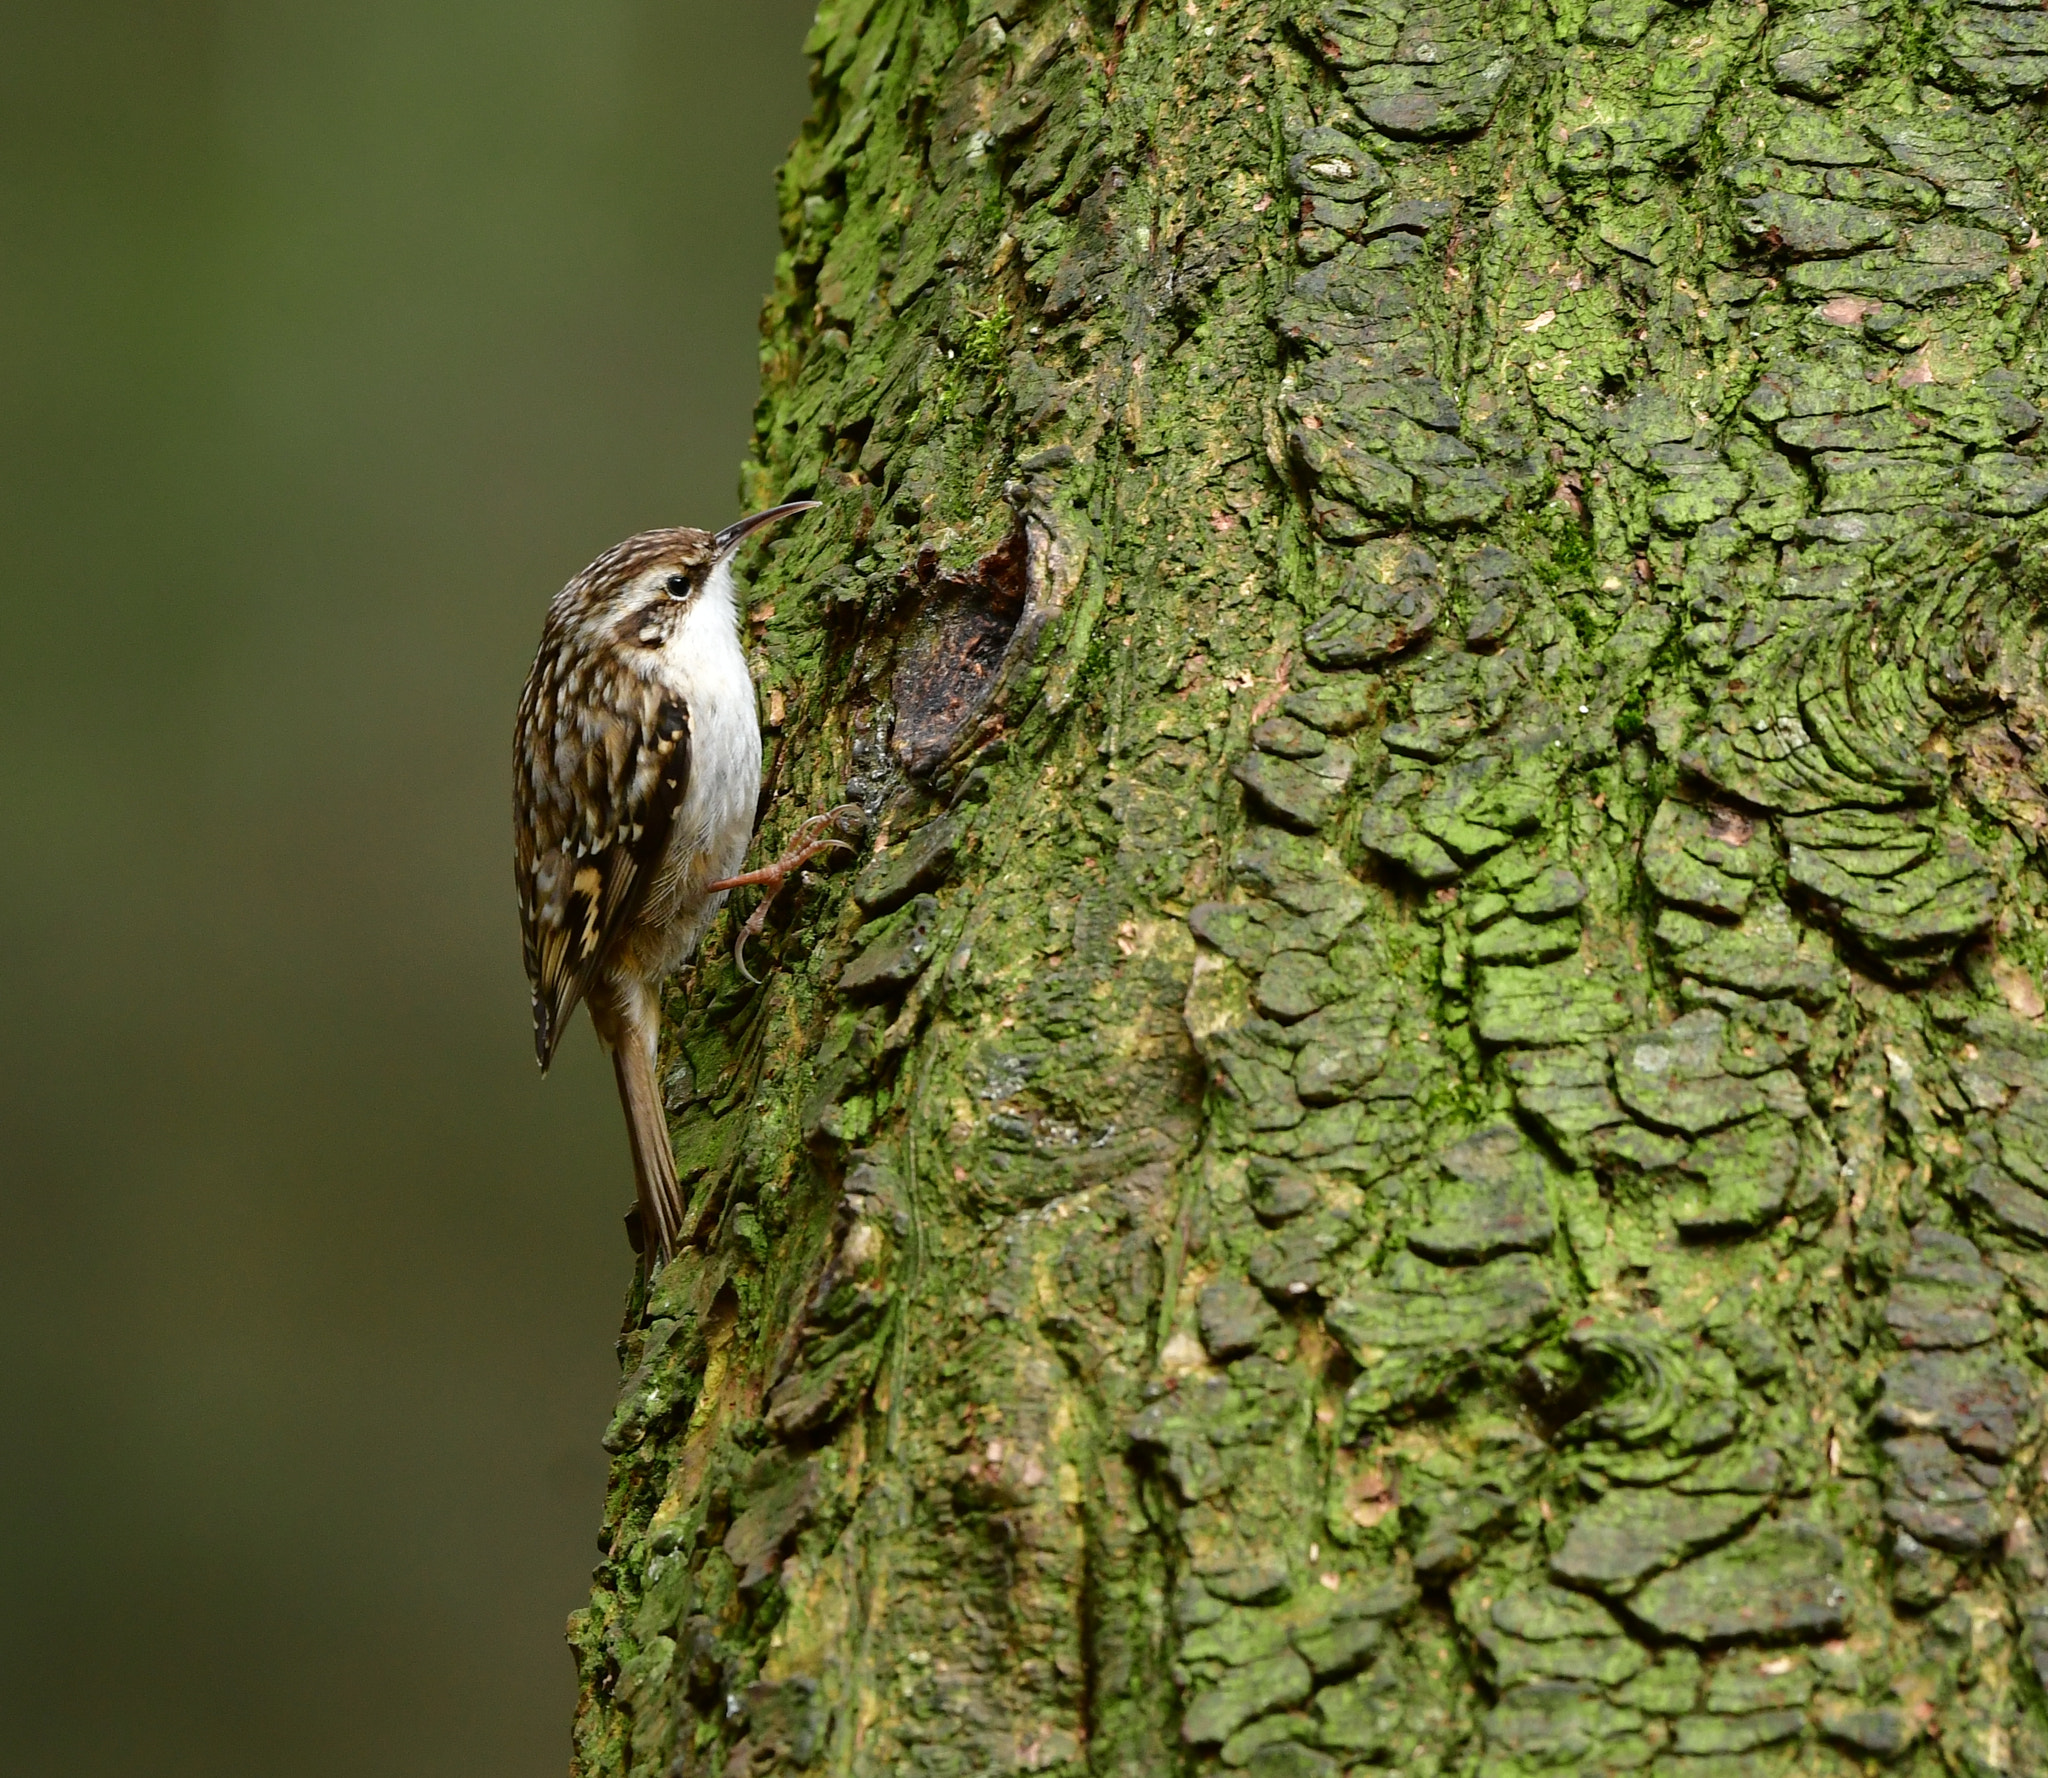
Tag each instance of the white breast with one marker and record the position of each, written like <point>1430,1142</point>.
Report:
<point>705,663</point>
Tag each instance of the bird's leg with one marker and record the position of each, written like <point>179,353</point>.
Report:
<point>815,836</point>
<point>811,839</point>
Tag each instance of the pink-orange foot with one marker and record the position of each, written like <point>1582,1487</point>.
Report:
<point>821,833</point>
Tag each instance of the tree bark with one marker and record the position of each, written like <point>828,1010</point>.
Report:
<point>1421,1140</point>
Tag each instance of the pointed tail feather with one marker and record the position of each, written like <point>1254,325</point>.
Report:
<point>654,1162</point>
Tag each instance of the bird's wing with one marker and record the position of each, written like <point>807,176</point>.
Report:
<point>601,763</point>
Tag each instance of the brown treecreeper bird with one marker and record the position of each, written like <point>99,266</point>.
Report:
<point>636,770</point>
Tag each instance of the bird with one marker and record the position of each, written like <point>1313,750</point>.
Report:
<point>636,775</point>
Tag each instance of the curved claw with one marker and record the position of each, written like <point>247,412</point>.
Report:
<point>812,838</point>
<point>809,843</point>
<point>752,929</point>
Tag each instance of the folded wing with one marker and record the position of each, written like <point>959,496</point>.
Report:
<point>602,761</point>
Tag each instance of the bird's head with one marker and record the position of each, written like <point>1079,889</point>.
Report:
<point>638,589</point>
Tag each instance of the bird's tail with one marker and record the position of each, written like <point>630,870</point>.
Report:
<point>654,1162</point>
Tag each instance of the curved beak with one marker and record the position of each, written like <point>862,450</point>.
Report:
<point>735,534</point>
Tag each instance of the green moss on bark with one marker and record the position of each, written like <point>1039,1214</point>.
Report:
<point>1422,1144</point>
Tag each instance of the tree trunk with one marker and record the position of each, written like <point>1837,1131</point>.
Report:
<point>1420,1142</point>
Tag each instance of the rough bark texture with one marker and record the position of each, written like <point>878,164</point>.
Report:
<point>1421,1143</point>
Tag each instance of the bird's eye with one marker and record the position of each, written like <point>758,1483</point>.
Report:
<point>677,584</point>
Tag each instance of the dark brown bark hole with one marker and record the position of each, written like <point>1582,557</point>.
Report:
<point>1561,1387</point>
<point>960,624</point>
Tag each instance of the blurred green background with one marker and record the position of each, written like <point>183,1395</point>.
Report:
<point>334,335</point>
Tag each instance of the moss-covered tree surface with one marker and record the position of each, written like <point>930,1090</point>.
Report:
<point>1418,1140</point>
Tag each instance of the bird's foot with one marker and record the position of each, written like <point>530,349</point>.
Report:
<point>821,833</point>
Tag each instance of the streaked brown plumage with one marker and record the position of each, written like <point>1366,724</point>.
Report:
<point>636,767</point>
